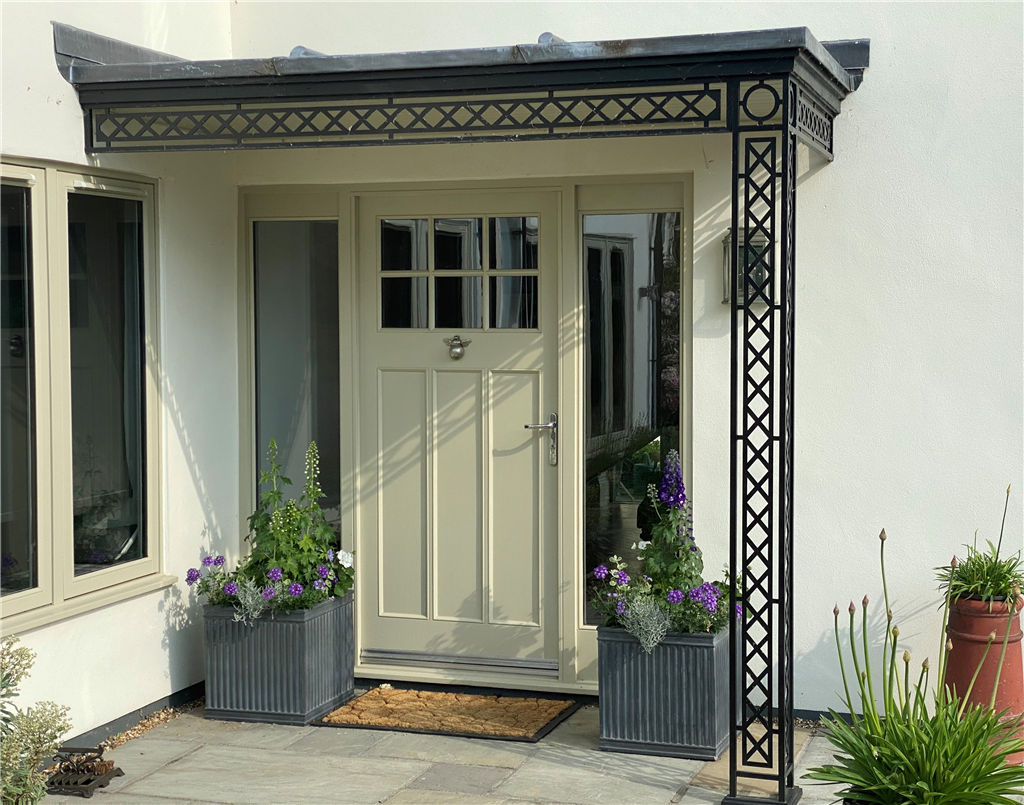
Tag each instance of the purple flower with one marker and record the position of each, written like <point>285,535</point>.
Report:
<point>320,584</point>
<point>275,574</point>
<point>621,577</point>
<point>230,588</point>
<point>269,593</point>
<point>208,561</point>
<point>192,576</point>
<point>330,554</point>
<point>707,596</point>
<point>219,561</point>
<point>620,608</point>
<point>672,492</point>
<point>739,610</point>
<point>323,571</point>
<point>693,549</point>
<point>600,572</point>
<point>675,596</point>
<point>295,589</point>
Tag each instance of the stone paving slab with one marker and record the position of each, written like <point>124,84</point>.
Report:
<point>340,742</point>
<point>142,757</point>
<point>442,749</point>
<point>460,779</point>
<point>232,774</point>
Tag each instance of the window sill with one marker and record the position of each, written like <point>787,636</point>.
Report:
<point>52,613</point>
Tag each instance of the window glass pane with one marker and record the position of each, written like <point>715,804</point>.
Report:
<point>297,352</point>
<point>458,302</point>
<point>513,243</point>
<point>514,302</point>
<point>108,458</point>
<point>403,245</point>
<point>18,565</point>
<point>403,302</point>
<point>458,244</point>
<point>632,334</point>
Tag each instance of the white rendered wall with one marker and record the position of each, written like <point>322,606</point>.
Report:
<point>909,298</point>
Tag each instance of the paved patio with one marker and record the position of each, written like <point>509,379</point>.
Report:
<point>190,759</point>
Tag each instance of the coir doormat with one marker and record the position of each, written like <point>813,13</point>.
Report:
<point>468,715</point>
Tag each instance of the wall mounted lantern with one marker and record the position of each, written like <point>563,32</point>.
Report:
<point>760,256</point>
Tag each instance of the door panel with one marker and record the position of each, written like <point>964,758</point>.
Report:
<point>458,528</point>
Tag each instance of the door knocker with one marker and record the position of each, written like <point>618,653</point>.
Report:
<point>456,347</point>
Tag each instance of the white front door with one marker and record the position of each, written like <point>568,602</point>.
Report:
<point>458,500</point>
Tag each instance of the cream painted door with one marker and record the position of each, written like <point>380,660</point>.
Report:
<point>458,501</point>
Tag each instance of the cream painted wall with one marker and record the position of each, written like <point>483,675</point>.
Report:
<point>910,338</point>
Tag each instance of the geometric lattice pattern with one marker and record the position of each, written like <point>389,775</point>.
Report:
<point>813,123</point>
<point>537,115</point>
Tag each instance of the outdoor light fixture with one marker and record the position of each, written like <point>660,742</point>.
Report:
<point>760,256</point>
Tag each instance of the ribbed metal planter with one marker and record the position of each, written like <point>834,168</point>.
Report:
<point>672,702</point>
<point>287,668</point>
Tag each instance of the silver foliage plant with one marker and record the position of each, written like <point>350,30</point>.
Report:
<point>646,621</point>
<point>251,601</point>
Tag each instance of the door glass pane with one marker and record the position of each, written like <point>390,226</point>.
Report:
<point>458,302</point>
<point>458,244</point>
<point>403,245</point>
<point>514,302</point>
<point>632,337</point>
<point>403,302</point>
<point>107,395</point>
<point>297,352</point>
<point>513,243</point>
<point>18,566</point>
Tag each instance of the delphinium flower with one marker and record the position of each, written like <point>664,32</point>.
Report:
<point>600,572</point>
<point>323,571</point>
<point>672,492</point>
<point>320,585</point>
<point>621,577</point>
<point>219,561</point>
<point>192,576</point>
<point>295,589</point>
<point>208,561</point>
<point>707,595</point>
<point>230,588</point>
<point>330,554</point>
<point>269,593</point>
<point>675,596</point>
<point>739,610</point>
<point>275,574</point>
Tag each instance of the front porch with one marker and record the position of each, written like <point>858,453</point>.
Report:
<point>203,761</point>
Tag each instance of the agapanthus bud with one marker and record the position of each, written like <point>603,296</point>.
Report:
<point>888,614</point>
<point>895,631</point>
<point>906,657</point>
<point>949,645</point>
<point>953,563</point>
<point>835,610</point>
<point>865,601</point>
<point>852,608</point>
<point>882,535</point>
<point>1016,591</point>
<point>863,674</point>
<point>926,664</point>
<point>991,636</point>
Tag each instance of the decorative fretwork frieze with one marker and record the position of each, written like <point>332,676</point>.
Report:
<point>524,116</point>
<point>813,123</point>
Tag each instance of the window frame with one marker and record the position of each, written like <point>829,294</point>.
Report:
<point>60,593</point>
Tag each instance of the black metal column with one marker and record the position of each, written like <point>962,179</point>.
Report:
<point>763,122</point>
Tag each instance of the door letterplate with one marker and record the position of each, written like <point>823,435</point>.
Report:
<point>552,429</point>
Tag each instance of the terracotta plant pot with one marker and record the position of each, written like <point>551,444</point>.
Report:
<point>970,624</point>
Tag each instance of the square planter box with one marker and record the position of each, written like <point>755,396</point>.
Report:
<point>672,702</point>
<point>287,668</point>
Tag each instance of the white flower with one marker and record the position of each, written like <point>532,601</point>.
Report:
<point>345,558</point>
<point>642,545</point>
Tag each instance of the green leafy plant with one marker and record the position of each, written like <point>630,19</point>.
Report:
<point>293,561</point>
<point>669,594</point>
<point>984,575</point>
<point>904,752</point>
<point>27,737</point>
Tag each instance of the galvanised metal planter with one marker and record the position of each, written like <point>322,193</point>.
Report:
<point>672,702</point>
<point>287,668</point>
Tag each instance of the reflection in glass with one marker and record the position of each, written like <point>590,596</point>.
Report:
<point>107,420</point>
<point>297,351</point>
<point>514,302</point>
<point>403,302</point>
<point>632,298</point>
<point>513,243</point>
<point>18,570</point>
<point>403,245</point>
<point>458,302</point>
<point>458,244</point>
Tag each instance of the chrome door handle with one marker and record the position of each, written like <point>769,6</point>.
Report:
<point>552,428</point>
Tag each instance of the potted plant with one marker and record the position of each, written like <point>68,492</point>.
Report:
<point>279,640</point>
<point>981,588</point>
<point>664,638</point>
<point>907,746</point>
